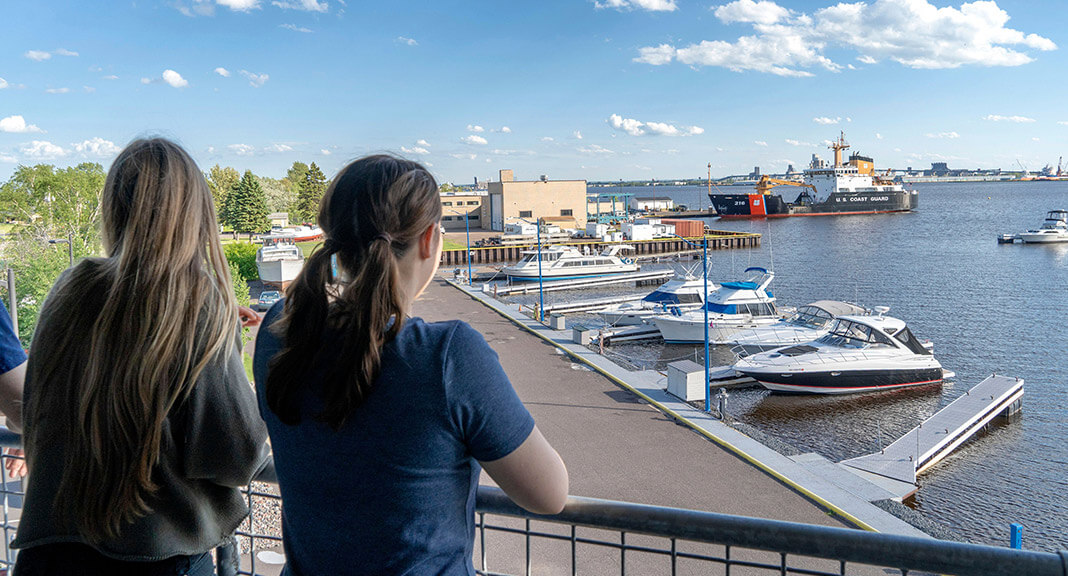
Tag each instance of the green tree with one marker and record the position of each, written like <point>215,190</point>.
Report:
<point>243,255</point>
<point>310,194</point>
<point>247,206</point>
<point>221,181</point>
<point>279,197</point>
<point>294,176</point>
<point>48,204</point>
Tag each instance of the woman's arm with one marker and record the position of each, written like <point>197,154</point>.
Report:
<point>11,396</point>
<point>533,475</point>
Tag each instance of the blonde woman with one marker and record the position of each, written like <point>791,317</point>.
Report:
<point>139,420</point>
<point>381,423</point>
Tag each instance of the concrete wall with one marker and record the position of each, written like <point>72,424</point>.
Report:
<point>538,199</point>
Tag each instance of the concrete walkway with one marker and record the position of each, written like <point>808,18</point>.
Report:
<point>624,438</point>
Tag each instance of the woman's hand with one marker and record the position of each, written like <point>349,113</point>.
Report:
<point>248,317</point>
<point>16,467</point>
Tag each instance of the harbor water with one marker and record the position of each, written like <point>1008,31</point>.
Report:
<point>987,307</point>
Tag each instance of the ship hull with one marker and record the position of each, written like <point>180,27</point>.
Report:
<point>737,206</point>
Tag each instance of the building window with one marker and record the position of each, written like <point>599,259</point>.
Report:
<point>446,203</point>
<point>565,213</point>
<point>525,213</point>
<point>472,203</point>
<point>474,217</point>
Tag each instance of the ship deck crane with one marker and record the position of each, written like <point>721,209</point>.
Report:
<point>766,183</point>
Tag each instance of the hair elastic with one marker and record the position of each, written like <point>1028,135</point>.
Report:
<point>384,236</point>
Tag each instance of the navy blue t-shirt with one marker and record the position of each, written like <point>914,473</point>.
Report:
<point>11,352</point>
<point>393,491</point>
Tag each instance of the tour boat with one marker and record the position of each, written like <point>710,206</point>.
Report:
<point>809,323</point>
<point>298,233</point>
<point>683,292</point>
<point>843,188</point>
<point>1054,229</point>
<point>859,354</point>
<point>734,306</point>
<point>565,263</point>
<point>279,260</point>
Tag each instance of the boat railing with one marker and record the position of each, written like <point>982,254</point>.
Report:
<point>605,536</point>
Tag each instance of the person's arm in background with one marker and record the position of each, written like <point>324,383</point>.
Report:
<point>12,376</point>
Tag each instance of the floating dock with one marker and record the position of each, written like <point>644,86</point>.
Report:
<point>895,467</point>
<point>637,278</point>
<point>717,240</point>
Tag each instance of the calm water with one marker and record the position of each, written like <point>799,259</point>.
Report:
<point>988,308</point>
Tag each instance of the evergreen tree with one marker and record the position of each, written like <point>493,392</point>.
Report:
<point>247,206</point>
<point>310,194</point>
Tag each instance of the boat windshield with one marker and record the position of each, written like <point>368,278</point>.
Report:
<point>847,334</point>
<point>811,317</point>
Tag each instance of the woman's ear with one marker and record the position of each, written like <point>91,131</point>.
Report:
<point>426,241</point>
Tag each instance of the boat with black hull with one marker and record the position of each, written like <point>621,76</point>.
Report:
<point>850,187</point>
<point>859,354</point>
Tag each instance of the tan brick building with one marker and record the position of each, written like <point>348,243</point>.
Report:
<point>559,201</point>
<point>455,206</point>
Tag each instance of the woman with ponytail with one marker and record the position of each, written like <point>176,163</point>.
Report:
<point>381,423</point>
<point>139,421</point>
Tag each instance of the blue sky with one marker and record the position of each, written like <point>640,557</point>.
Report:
<point>596,90</point>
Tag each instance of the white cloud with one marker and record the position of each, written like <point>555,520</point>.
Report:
<point>422,142</point>
<point>324,152</point>
<point>279,148</point>
<point>89,89</point>
<point>64,52</point>
<point>748,11</point>
<point>239,5</point>
<point>308,5</point>
<point>792,142</point>
<point>38,55</point>
<point>43,150</point>
<point>7,159</point>
<point>506,130</point>
<point>17,124</point>
<point>174,79</point>
<point>63,90</point>
<point>464,156</point>
<point>242,149</point>
<point>111,77</point>
<point>650,5</point>
<point>414,150</point>
<point>547,139</point>
<point>146,80</point>
<point>878,136</point>
<point>1017,119</point>
<point>913,33</point>
<point>295,28</point>
<point>475,128</point>
<point>3,84</point>
<point>255,80</point>
<point>222,72</point>
<point>577,135</point>
<point>474,139</point>
<point>639,128</point>
<point>1063,122</point>
<point>760,143</point>
<point>943,135</point>
<point>1036,139</point>
<point>594,149</point>
<point>98,147</point>
<point>408,41</point>
<point>825,121</point>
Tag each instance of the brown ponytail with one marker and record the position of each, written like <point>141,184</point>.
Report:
<point>374,211</point>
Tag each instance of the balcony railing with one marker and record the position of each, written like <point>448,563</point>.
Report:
<point>594,536</point>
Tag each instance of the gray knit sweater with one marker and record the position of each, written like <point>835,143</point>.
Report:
<point>212,444</point>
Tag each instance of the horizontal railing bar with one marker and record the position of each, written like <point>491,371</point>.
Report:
<point>846,544</point>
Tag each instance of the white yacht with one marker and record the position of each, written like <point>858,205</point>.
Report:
<point>859,354</point>
<point>734,306</point>
<point>809,323</point>
<point>1054,229</point>
<point>565,262</point>
<point>683,292</point>
<point>279,260</point>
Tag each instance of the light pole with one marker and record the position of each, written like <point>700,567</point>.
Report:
<point>541,285</point>
<point>704,265</point>
<point>70,246</point>
<point>467,225</point>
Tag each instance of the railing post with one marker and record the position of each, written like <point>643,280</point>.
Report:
<point>1016,536</point>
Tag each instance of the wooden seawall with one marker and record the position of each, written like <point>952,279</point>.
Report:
<point>717,240</point>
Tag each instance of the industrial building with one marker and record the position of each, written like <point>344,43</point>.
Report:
<point>562,202</point>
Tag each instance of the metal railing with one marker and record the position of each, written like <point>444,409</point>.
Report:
<point>594,536</point>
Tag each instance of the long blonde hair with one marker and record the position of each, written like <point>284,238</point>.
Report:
<point>373,212</point>
<point>166,310</point>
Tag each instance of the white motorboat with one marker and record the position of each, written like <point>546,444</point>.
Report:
<point>565,263</point>
<point>300,233</point>
<point>279,260</point>
<point>809,323</point>
<point>1054,229</point>
<point>734,306</point>
<point>859,354</point>
<point>683,292</point>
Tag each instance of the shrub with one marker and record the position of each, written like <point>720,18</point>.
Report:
<point>243,254</point>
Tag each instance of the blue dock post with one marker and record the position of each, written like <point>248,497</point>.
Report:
<point>1016,536</point>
